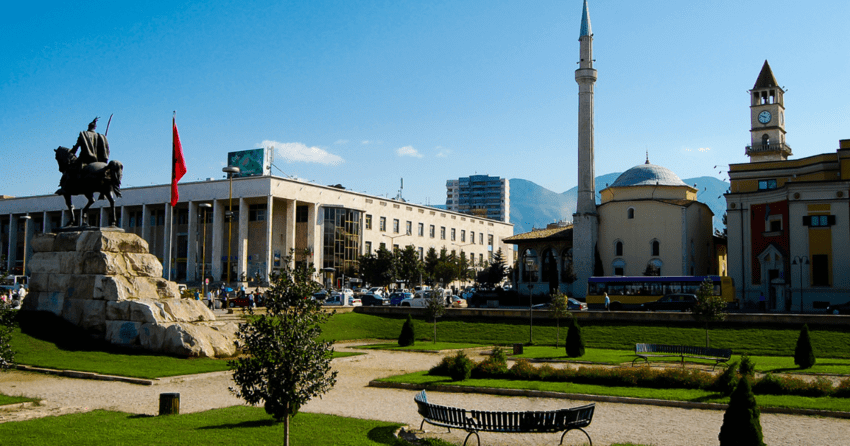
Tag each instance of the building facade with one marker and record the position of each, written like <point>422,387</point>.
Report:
<point>788,220</point>
<point>271,216</point>
<point>480,195</point>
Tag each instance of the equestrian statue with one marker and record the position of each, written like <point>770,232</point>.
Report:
<point>90,173</point>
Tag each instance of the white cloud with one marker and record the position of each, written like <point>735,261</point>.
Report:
<point>408,151</point>
<point>443,153</point>
<point>341,141</point>
<point>704,149</point>
<point>296,152</point>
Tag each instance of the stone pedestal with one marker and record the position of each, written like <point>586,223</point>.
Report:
<point>110,285</point>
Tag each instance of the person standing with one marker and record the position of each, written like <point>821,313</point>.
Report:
<point>607,302</point>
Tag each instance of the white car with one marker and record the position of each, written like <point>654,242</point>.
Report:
<point>420,299</point>
<point>376,290</point>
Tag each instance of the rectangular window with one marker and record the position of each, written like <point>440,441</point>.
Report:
<point>481,259</point>
<point>421,229</point>
<point>431,231</point>
<point>472,237</point>
<point>442,232</point>
<point>395,226</point>
<point>257,212</point>
<point>767,184</point>
<point>818,221</point>
<point>302,214</point>
<point>383,245</point>
<point>775,225</point>
<point>368,248</point>
<point>421,253</point>
<point>453,234</point>
<point>383,225</point>
<point>820,270</point>
<point>490,239</point>
<point>183,217</point>
<point>408,228</point>
<point>395,248</point>
<point>463,236</point>
<point>480,238</point>
<point>368,221</point>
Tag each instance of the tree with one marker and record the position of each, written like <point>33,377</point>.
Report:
<point>575,342</point>
<point>651,270</point>
<point>709,307</point>
<point>804,354</point>
<point>285,365</point>
<point>408,335</point>
<point>558,309</point>
<point>7,320</point>
<point>498,269</point>
<point>435,306</point>
<point>431,260</point>
<point>741,422</point>
<point>410,268</point>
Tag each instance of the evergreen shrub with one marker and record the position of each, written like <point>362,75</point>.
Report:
<point>460,366</point>
<point>407,336</point>
<point>494,366</point>
<point>741,422</point>
<point>748,367</point>
<point>523,369</point>
<point>804,354</point>
<point>725,382</point>
<point>575,342</point>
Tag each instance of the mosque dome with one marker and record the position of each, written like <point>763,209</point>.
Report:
<point>648,175</point>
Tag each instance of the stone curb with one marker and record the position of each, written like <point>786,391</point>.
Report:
<point>86,375</point>
<point>598,398</point>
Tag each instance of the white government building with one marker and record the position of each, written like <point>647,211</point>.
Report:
<point>326,225</point>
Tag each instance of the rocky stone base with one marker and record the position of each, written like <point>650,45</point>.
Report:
<point>109,284</point>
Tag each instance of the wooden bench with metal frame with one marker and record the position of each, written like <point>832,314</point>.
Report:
<point>474,421</point>
<point>646,351</point>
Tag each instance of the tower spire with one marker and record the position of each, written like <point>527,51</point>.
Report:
<point>585,22</point>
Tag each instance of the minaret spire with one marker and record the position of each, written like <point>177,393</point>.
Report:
<point>585,220</point>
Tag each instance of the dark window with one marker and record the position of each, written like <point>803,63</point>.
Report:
<point>368,221</point>
<point>656,248</point>
<point>775,225</point>
<point>820,270</point>
<point>183,217</point>
<point>395,225</point>
<point>618,271</point>
<point>818,221</point>
<point>257,212</point>
<point>618,248</point>
<point>631,213</point>
<point>301,214</point>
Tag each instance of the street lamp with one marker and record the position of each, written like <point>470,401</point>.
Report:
<point>26,219</point>
<point>530,314</point>
<point>230,171</point>
<point>804,260</point>
<point>206,207</point>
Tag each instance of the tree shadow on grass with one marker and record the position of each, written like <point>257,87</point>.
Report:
<point>382,435</point>
<point>243,425</point>
<point>799,370</point>
<point>713,398</point>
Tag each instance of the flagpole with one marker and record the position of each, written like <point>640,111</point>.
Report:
<point>171,218</point>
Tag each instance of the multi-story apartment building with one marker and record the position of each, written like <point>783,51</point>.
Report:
<point>480,195</point>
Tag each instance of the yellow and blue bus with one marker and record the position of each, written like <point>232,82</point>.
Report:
<point>626,292</point>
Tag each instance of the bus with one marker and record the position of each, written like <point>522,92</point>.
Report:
<point>627,293</point>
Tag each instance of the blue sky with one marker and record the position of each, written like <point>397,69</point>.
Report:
<point>363,93</point>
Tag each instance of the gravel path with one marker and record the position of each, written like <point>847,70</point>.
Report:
<point>659,426</point>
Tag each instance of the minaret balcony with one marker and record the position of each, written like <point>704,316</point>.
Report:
<point>760,149</point>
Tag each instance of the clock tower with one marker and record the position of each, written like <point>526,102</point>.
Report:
<point>767,120</point>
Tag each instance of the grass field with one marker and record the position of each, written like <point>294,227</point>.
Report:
<point>6,399</point>
<point>234,425</point>
<point>754,341</point>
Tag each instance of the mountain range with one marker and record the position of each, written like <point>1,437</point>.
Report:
<point>534,206</point>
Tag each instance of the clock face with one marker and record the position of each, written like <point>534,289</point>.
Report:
<point>764,117</point>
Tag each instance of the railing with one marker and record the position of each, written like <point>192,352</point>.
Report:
<point>761,148</point>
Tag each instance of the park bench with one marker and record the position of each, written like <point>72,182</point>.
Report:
<point>646,351</point>
<point>474,421</point>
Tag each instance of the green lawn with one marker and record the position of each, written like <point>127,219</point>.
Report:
<point>764,364</point>
<point>760,340</point>
<point>6,399</point>
<point>237,425</point>
<point>693,395</point>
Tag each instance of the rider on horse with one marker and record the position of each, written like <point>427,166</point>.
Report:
<point>93,146</point>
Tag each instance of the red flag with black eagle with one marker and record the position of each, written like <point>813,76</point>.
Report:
<point>178,165</point>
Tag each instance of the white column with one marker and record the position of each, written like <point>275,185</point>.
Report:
<point>167,241</point>
<point>103,219</point>
<point>146,217</point>
<point>268,244</point>
<point>124,223</point>
<point>12,255</point>
<point>217,240</point>
<point>192,234</point>
<point>314,235</point>
<point>242,243</point>
<point>290,230</point>
<point>47,227</point>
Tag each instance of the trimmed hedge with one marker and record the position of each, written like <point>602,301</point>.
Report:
<point>495,367</point>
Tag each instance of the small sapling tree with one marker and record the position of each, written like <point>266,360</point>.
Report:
<point>804,354</point>
<point>435,306</point>
<point>285,365</point>
<point>7,320</point>
<point>558,309</point>
<point>709,307</point>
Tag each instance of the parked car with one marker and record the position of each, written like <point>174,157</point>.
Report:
<point>839,308</point>
<point>370,300</point>
<point>672,302</point>
<point>397,297</point>
<point>572,305</point>
<point>458,302</point>
<point>420,299</point>
<point>376,290</point>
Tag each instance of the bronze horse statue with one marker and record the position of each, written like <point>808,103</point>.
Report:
<point>92,178</point>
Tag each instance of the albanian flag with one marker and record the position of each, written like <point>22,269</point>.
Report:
<point>178,165</point>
